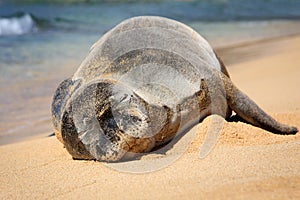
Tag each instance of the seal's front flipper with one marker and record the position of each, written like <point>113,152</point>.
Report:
<point>211,101</point>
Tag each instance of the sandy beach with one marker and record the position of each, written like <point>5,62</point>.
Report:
<point>246,163</point>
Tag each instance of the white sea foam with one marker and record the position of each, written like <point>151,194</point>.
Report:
<point>17,25</point>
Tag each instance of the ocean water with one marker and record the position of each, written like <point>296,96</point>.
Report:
<point>41,44</point>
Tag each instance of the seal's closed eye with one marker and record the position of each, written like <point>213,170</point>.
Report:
<point>124,97</point>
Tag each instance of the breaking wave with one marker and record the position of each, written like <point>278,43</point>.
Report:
<point>17,24</point>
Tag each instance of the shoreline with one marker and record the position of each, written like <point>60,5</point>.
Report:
<point>246,163</point>
<point>233,54</point>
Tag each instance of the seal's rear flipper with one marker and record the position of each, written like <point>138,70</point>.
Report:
<point>249,111</point>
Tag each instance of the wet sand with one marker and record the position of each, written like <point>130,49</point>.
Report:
<point>247,162</point>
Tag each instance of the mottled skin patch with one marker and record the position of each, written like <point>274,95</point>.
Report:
<point>144,82</point>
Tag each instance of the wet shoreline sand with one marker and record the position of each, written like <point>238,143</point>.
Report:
<point>247,162</point>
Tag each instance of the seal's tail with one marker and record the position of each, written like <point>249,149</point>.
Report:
<point>249,111</point>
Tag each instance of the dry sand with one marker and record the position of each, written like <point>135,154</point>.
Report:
<point>247,162</point>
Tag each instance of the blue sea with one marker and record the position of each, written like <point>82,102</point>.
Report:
<point>42,44</point>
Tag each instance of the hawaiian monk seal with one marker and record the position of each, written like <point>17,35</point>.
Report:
<point>141,83</point>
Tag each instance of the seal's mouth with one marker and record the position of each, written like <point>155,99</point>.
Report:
<point>108,124</point>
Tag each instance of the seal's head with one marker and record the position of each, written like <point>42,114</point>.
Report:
<point>107,121</point>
